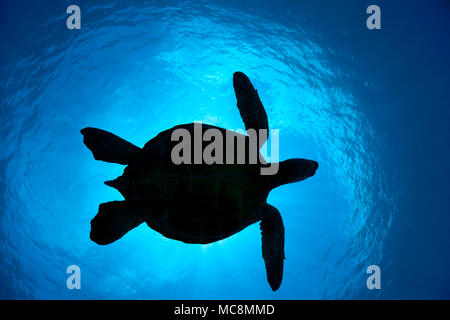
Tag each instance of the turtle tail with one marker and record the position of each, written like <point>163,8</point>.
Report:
<point>113,183</point>
<point>108,147</point>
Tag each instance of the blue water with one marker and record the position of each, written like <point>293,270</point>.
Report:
<point>371,107</point>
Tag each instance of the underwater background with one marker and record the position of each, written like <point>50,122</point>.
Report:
<point>371,106</point>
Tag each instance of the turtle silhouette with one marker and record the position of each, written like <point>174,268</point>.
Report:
<point>196,203</point>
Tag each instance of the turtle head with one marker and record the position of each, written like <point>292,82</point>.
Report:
<point>293,170</point>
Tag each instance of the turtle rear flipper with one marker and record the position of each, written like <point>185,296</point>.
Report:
<point>272,231</point>
<point>108,147</point>
<point>113,220</point>
<point>250,105</point>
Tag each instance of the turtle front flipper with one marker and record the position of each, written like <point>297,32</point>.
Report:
<point>250,106</point>
<point>272,231</point>
<point>113,220</point>
<point>108,147</point>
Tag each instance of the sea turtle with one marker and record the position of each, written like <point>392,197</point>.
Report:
<point>196,203</point>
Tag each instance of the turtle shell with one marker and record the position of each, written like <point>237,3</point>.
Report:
<point>194,203</point>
